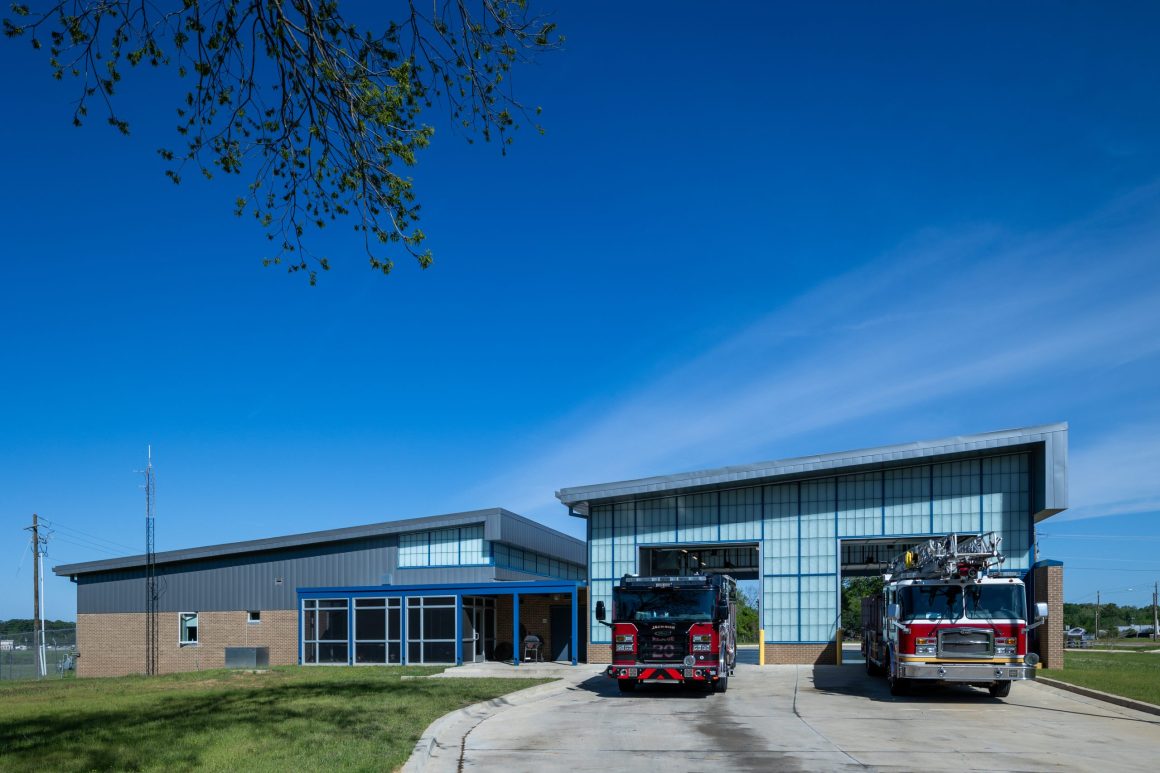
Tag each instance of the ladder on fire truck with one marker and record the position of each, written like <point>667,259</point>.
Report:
<point>957,556</point>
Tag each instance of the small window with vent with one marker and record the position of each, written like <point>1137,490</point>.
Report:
<point>187,628</point>
<point>253,616</point>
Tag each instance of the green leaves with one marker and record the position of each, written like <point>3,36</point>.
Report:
<point>320,112</point>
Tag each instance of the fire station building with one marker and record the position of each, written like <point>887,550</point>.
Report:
<point>798,526</point>
<point>444,589</point>
<point>471,586</point>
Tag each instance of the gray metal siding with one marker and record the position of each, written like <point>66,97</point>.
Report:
<point>523,533</point>
<point>241,582</point>
<point>443,575</point>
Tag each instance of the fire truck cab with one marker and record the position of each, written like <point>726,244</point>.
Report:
<point>945,615</point>
<point>672,630</point>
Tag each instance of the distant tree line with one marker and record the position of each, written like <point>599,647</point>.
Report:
<point>1111,616</point>
<point>24,625</point>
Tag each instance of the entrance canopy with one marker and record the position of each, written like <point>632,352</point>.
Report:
<point>412,624</point>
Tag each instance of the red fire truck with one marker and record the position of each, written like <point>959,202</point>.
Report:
<point>672,630</point>
<point>947,614</point>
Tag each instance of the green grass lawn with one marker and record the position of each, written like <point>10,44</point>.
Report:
<point>290,718</point>
<point>1130,674</point>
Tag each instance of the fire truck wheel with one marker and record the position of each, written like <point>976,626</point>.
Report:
<point>899,686</point>
<point>1000,689</point>
<point>872,669</point>
<point>626,685</point>
<point>722,684</point>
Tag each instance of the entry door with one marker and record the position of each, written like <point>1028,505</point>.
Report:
<point>470,631</point>
<point>480,632</point>
<point>561,633</point>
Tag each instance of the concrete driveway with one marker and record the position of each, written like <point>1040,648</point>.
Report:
<point>807,718</point>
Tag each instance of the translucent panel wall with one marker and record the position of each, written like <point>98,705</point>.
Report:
<point>906,509</point>
<point>860,505</point>
<point>799,526</point>
<point>600,574</point>
<point>741,514</point>
<point>1006,503</point>
<point>460,546</point>
<point>957,506</point>
<point>656,520</point>
<point>779,550</point>
<point>781,608</point>
<point>413,549</point>
<point>697,518</point>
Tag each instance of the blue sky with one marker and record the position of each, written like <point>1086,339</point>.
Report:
<point>753,234</point>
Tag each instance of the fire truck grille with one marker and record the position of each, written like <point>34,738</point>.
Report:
<point>966,642</point>
<point>660,650</point>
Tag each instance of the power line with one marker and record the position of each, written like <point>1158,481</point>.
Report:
<point>78,532</point>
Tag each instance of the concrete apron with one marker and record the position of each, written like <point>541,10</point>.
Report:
<point>440,748</point>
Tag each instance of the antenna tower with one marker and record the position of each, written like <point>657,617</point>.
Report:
<point>150,572</point>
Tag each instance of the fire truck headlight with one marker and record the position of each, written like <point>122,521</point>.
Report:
<point>703,638</point>
<point>1005,646</point>
<point>702,647</point>
<point>624,637</point>
<point>926,646</point>
<point>624,647</point>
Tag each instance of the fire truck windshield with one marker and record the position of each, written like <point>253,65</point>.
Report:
<point>946,602</point>
<point>1005,602</point>
<point>664,604</point>
<point>931,602</point>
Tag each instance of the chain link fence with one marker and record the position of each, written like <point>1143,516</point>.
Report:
<point>18,655</point>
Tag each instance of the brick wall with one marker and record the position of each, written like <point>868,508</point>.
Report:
<point>804,654</point>
<point>1049,587</point>
<point>535,616</point>
<point>114,644</point>
<point>599,653</point>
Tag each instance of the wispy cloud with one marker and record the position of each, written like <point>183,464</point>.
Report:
<point>943,318</point>
<point>1116,474</point>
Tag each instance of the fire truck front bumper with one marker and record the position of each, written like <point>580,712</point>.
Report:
<point>966,672</point>
<point>662,673</point>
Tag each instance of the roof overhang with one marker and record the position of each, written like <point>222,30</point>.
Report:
<point>1046,443</point>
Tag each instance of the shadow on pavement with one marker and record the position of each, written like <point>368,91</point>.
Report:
<point>607,688</point>
<point>852,679</point>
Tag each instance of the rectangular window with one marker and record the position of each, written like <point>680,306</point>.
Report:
<point>324,631</point>
<point>413,549</point>
<point>187,628</point>
<point>253,616</point>
<point>431,629</point>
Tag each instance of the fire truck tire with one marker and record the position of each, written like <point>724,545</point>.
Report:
<point>1000,689</point>
<point>899,686</point>
<point>722,684</point>
<point>626,685</point>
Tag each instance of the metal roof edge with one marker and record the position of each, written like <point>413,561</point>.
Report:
<point>267,544</point>
<point>880,455</point>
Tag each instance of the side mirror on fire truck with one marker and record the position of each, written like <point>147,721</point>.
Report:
<point>1040,615</point>
<point>600,611</point>
<point>893,612</point>
<point>722,611</point>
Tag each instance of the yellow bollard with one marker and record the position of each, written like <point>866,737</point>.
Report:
<point>838,640</point>
<point>761,647</point>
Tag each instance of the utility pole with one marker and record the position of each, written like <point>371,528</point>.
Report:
<point>1156,610</point>
<point>150,571</point>
<point>1097,615</point>
<point>37,596</point>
